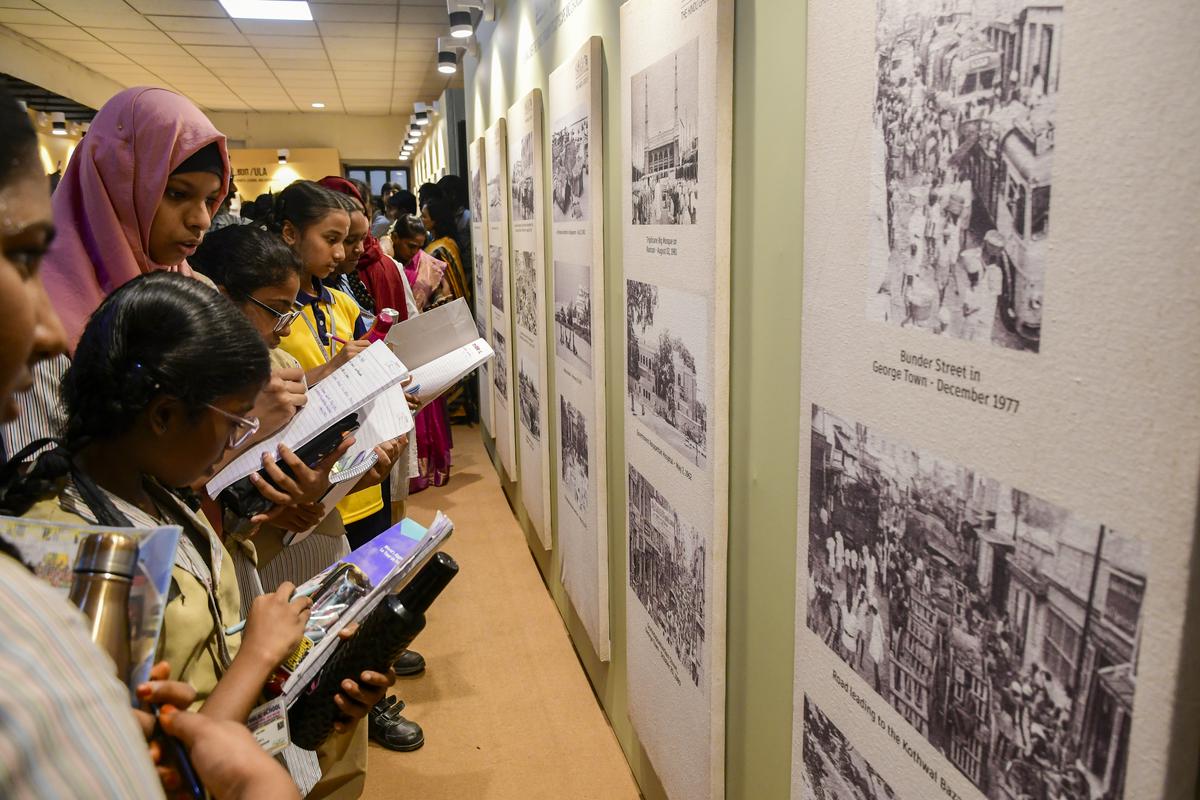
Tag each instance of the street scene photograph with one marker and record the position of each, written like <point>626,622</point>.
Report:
<point>500,363</point>
<point>665,139</point>
<point>666,572</point>
<point>522,181</point>
<point>573,314</point>
<point>493,194</point>
<point>528,397</point>
<point>833,768</point>
<point>476,199</point>
<point>667,366</point>
<point>496,267</point>
<point>1004,628</point>
<point>574,456</point>
<point>569,168</point>
<point>962,150</point>
<point>526,301</point>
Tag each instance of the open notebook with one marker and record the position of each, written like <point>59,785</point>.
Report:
<point>440,347</point>
<point>358,382</point>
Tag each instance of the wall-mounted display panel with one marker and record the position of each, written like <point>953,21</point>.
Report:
<point>577,294</point>
<point>525,160</point>
<point>676,101</point>
<point>996,535</point>
<point>476,183</point>
<point>499,272</point>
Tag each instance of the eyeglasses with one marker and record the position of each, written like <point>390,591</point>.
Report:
<point>282,320</point>
<point>244,427</point>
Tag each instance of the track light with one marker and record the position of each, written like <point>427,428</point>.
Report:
<point>58,121</point>
<point>460,24</point>
<point>447,62</point>
<point>283,155</point>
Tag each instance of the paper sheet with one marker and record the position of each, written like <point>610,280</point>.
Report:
<point>351,387</point>
<point>440,346</point>
<point>387,417</point>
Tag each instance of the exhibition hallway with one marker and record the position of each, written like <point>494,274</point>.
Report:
<point>506,707</point>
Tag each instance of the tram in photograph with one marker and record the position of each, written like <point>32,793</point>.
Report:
<point>1008,163</point>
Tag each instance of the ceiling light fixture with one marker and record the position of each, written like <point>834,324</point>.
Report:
<point>318,105</point>
<point>422,118</point>
<point>447,62</point>
<point>283,155</point>
<point>460,24</point>
<point>268,9</point>
<point>58,121</point>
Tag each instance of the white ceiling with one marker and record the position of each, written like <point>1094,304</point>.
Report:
<point>361,57</point>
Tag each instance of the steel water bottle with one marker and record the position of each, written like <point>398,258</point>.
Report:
<point>104,568</point>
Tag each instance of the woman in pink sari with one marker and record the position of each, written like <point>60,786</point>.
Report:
<point>425,275</point>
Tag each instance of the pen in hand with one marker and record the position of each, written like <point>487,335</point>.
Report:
<point>238,626</point>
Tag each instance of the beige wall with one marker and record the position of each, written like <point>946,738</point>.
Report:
<point>358,139</point>
<point>257,170</point>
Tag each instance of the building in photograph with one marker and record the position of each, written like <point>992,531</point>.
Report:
<point>665,384</point>
<point>1011,624</point>
<point>666,571</point>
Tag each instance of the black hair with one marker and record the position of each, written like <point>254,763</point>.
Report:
<point>403,201</point>
<point>427,192</point>
<point>159,333</point>
<point>409,226</point>
<point>244,259</point>
<point>302,203</point>
<point>350,203</point>
<point>441,213</point>
<point>18,139</point>
<point>454,189</point>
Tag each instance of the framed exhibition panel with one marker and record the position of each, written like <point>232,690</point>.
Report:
<point>577,294</point>
<point>676,100</point>
<point>525,159</point>
<point>495,160</point>
<point>476,180</point>
<point>995,540</point>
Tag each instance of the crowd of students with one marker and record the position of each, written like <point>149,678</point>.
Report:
<point>140,350</point>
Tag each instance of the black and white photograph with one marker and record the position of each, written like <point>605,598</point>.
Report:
<point>833,768</point>
<point>479,318</point>
<point>570,167</point>
<point>962,149</point>
<point>496,258</point>
<point>528,398</point>
<point>665,139</point>
<point>493,196</point>
<point>522,181</point>
<point>573,314</point>
<point>476,190</point>
<point>667,366</point>
<point>1004,628</point>
<point>500,363</point>
<point>573,433</point>
<point>526,301</point>
<point>666,572</point>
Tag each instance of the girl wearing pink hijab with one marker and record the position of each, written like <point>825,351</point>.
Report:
<point>137,196</point>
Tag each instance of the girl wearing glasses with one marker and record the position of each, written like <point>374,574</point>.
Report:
<point>163,381</point>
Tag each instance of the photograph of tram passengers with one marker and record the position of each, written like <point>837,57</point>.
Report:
<point>962,148</point>
<point>1002,627</point>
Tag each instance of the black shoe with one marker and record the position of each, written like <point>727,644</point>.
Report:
<point>387,728</point>
<point>410,662</point>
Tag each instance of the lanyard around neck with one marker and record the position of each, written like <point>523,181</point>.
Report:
<point>317,336</point>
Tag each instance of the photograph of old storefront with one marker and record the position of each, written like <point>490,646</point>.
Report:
<point>1002,627</point>
<point>666,572</point>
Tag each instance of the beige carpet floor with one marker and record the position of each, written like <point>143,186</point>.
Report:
<point>506,707</point>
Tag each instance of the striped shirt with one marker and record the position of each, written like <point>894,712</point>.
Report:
<point>66,729</point>
<point>42,412</point>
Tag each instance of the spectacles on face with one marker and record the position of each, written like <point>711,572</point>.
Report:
<point>243,427</point>
<point>282,320</point>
